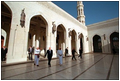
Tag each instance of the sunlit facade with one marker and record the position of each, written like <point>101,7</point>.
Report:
<point>44,25</point>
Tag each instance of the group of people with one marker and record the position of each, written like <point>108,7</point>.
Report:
<point>73,53</point>
<point>80,53</point>
<point>49,55</point>
<point>37,51</point>
<point>60,54</point>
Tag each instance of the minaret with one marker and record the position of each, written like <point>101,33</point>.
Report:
<point>80,11</point>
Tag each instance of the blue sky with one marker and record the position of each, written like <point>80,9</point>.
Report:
<point>95,11</point>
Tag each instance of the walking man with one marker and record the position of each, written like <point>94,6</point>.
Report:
<point>37,53</point>
<point>80,52</point>
<point>49,54</point>
<point>66,51</point>
<point>73,54</point>
<point>30,51</point>
<point>3,53</point>
<point>60,56</point>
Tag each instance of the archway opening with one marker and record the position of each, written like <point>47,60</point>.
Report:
<point>37,32</point>
<point>114,41</point>
<point>60,39</point>
<point>81,41</point>
<point>6,17</point>
<point>73,40</point>
<point>97,43</point>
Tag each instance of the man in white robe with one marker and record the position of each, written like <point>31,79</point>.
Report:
<point>60,55</point>
<point>36,53</point>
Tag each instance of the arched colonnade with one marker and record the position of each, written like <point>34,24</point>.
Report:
<point>36,32</point>
<point>112,43</point>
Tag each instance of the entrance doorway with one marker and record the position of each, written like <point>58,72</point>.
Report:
<point>97,43</point>
<point>114,41</point>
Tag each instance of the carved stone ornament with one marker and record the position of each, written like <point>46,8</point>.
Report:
<point>87,39</point>
<point>70,33</point>
<point>54,27</point>
<point>104,37</point>
<point>22,19</point>
<point>79,36</point>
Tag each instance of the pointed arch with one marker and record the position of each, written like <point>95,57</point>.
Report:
<point>97,45</point>
<point>6,17</point>
<point>73,40</point>
<point>62,27</point>
<point>6,7</point>
<point>38,31</point>
<point>61,36</point>
<point>42,16</point>
<point>114,42</point>
<point>81,41</point>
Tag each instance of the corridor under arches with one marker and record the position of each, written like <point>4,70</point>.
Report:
<point>61,36</point>
<point>37,32</point>
<point>73,40</point>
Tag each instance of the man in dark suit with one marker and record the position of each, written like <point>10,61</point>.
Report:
<point>3,53</point>
<point>73,54</point>
<point>49,54</point>
<point>80,52</point>
<point>30,51</point>
<point>66,51</point>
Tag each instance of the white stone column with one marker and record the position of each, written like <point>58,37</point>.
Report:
<point>24,55</point>
<point>55,36</point>
<point>91,44</point>
<point>53,45</point>
<point>37,43</point>
<point>105,46</point>
<point>48,41</point>
<point>18,41</point>
<point>69,46</point>
<point>11,44</point>
<point>63,48</point>
<point>33,41</point>
<point>49,35</point>
<point>19,46</point>
<point>102,43</point>
<point>77,45</point>
<point>86,45</point>
<point>109,46</point>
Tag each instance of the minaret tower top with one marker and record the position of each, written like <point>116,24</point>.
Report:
<point>80,11</point>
